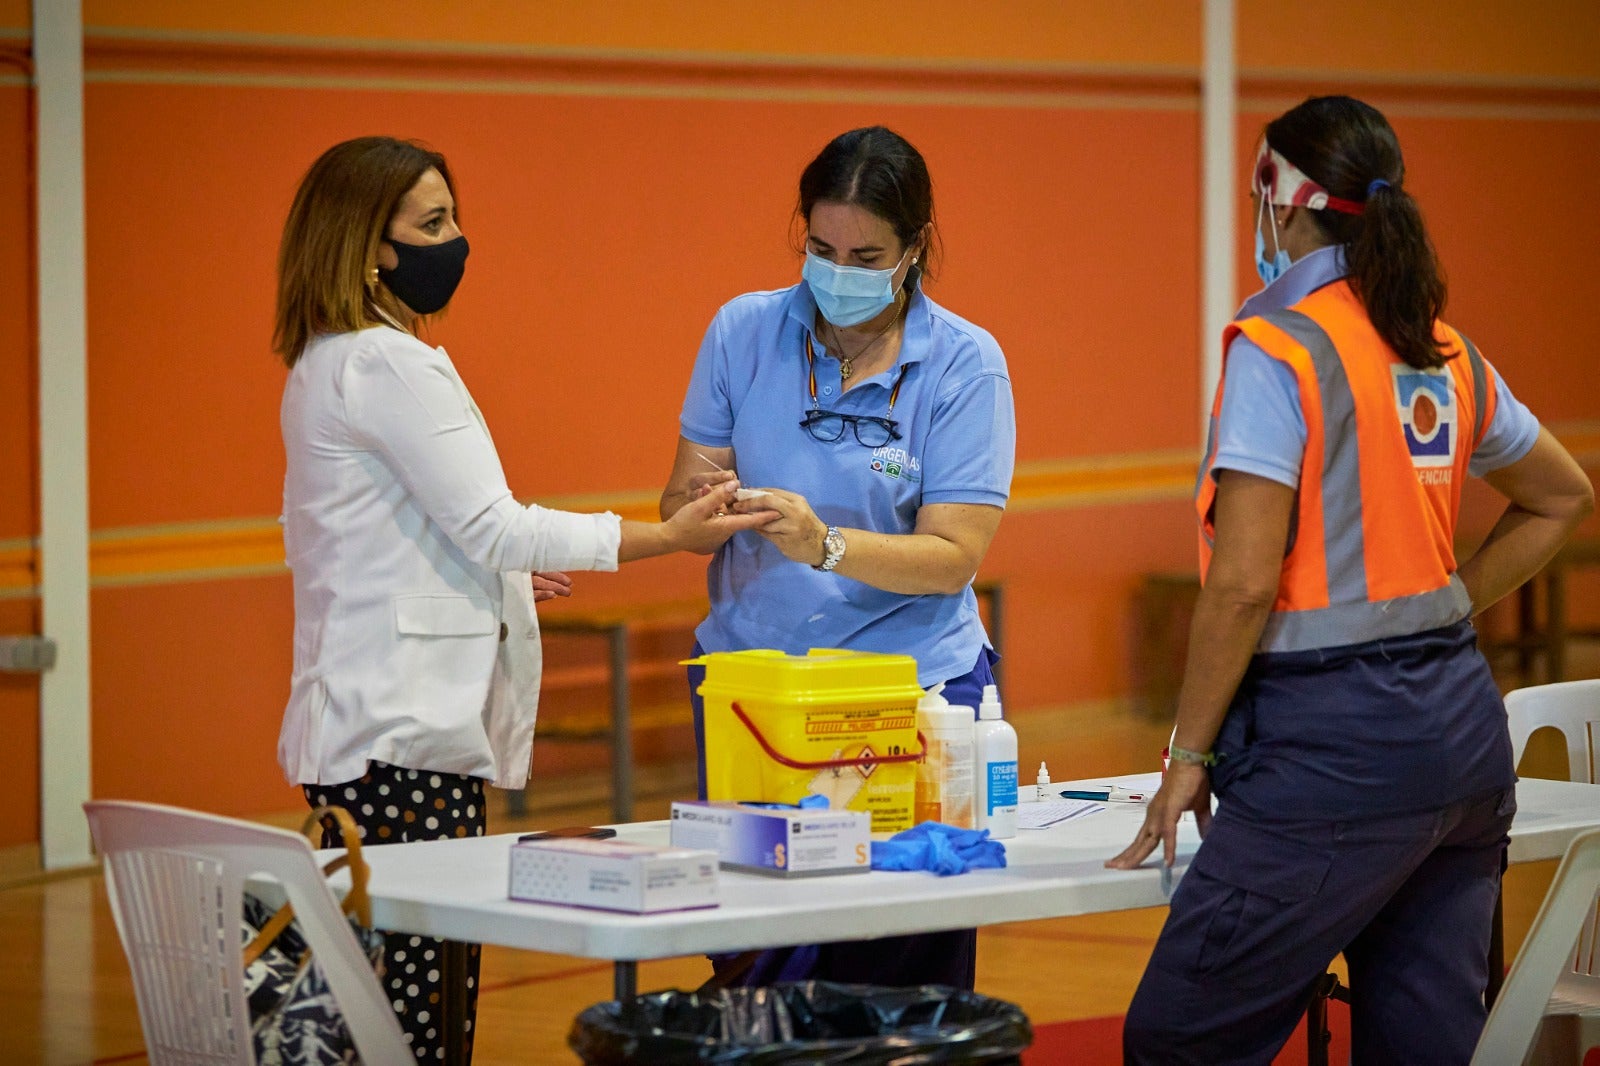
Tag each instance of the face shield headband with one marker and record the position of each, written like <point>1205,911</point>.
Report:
<point>1282,184</point>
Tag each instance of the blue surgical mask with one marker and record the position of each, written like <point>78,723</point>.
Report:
<point>849,296</point>
<point>1269,269</point>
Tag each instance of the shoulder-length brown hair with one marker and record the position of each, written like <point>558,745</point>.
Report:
<point>330,240</point>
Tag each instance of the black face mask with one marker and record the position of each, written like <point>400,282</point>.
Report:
<point>426,275</point>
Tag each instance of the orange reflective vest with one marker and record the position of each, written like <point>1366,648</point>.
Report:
<point>1371,540</point>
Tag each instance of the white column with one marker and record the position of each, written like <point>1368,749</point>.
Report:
<point>1219,97</point>
<point>63,430</point>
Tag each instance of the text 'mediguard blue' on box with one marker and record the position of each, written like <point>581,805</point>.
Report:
<point>783,842</point>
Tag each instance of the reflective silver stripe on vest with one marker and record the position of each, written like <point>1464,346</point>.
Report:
<point>1480,384</point>
<point>1356,623</point>
<point>1350,618</point>
<point>1343,534</point>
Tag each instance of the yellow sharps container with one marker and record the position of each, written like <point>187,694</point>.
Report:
<point>839,723</point>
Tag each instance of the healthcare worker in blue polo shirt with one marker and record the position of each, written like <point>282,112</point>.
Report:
<point>1334,699</point>
<point>882,427</point>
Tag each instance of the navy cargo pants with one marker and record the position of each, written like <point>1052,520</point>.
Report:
<point>1265,907</point>
<point>1364,800</point>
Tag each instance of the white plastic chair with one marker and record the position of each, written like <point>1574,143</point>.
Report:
<point>1573,709</point>
<point>176,881</point>
<point>1544,961</point>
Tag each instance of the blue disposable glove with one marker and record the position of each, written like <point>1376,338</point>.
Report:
<point>939,848</point>
<point>815,801</point>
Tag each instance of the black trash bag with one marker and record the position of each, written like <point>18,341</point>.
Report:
<point>806,1022</point>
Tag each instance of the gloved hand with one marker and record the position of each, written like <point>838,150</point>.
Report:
<point>942,849</point>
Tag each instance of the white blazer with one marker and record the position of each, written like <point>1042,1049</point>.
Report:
<point>415,640</point>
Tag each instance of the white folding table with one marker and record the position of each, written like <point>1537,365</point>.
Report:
<point>457,890</point>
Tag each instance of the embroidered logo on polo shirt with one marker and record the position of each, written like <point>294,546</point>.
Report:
<point>1426,401</point>
<point>896,463</point>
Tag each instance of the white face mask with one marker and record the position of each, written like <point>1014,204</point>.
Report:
<point>848,296</point>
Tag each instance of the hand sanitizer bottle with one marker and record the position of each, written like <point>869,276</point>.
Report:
<point>945,775</point>
<point>995,762</point>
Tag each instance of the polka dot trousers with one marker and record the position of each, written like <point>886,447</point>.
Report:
<point>393,805</point>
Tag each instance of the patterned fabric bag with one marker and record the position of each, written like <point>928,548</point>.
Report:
<point>293,1018</point>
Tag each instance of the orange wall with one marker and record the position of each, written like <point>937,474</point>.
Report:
<point>611,212</point>
<point>597,263</point>
<point>16,17</point>
<point>576,328</point>
<point>18,516</point>
<point>19,693</point>
<point>1159,33</point>
<point>1455,41</point>
<point>1474,39</point>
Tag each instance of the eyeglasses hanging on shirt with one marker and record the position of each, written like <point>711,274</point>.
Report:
<point>828,426</point>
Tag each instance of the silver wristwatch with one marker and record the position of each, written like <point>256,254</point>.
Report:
<point>832,549</point>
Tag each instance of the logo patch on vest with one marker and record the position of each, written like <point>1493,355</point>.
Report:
<point>1428,415</point>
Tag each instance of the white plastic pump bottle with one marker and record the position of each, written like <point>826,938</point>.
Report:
<point>995,766</point>
<point>945,775</point>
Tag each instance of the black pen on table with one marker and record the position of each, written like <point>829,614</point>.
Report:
<point>1108,794</point>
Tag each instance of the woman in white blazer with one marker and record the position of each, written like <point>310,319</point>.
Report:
<point>416,647</point>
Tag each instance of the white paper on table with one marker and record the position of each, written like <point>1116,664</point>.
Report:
<point>1046,813</point>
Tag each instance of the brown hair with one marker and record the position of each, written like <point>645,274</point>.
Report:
<point>879,170</point>
<point>330,240</point>
<point>1349,149</point>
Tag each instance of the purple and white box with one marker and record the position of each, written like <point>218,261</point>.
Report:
<point>782,842</point>
<point>613,875</point>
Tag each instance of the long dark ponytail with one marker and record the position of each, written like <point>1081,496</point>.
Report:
<point>1349,149</point>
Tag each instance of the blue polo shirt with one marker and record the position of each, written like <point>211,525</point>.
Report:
<point>957,441</point>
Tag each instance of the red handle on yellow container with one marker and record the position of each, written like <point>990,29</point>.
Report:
<point>826,764</point>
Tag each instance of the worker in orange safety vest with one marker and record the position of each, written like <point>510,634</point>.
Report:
<point>1334,699</point>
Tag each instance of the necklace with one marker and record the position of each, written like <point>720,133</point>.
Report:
<point>847,363</point>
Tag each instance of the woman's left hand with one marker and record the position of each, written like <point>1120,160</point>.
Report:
<point>797,532</point>
<point>1184,787</point>
<point>548,584</point>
